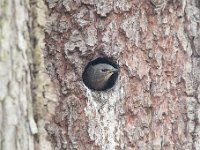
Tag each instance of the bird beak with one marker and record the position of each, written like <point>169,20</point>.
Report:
<point>115,70</point>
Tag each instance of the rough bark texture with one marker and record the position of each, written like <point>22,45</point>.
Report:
<point>155,102</point>
<point>24,87</point>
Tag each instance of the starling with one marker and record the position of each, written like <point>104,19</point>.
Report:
<point>97,76</point>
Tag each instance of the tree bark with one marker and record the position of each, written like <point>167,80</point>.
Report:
<point>25,89</point>
<point>155,102</point>
<point>17,124</point>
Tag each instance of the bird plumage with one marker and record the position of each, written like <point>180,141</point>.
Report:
<point>98,75</point>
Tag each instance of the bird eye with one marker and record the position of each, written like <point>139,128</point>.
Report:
<point>104,70</point>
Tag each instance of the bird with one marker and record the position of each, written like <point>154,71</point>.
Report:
<point>97,76</point>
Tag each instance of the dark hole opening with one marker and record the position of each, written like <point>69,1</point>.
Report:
<point>112,79</point>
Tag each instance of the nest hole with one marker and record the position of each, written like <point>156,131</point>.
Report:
<point>99,60</point>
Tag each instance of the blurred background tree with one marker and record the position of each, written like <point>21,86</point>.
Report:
<point>25,89</point>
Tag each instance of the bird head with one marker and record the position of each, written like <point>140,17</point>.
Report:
<point>99,76</point>
<point>104,71</point>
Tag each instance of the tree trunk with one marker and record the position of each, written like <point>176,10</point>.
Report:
<point>155,101</point>
<point>24,87</point>
<point>15,96</point>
